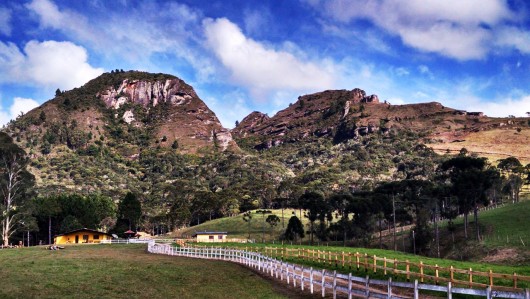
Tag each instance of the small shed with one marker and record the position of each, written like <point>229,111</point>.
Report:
<point>83,235</point>
<point>210,237</point>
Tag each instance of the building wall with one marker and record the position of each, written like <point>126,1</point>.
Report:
<point>211,238</point>
<point>83,237</point>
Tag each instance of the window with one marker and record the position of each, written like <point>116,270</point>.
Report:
<point>210,237</point>
<point>96,237</point>
<point>85,238</point>
<point>220,237</point>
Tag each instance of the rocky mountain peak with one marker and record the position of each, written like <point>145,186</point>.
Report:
<point>248,123</point>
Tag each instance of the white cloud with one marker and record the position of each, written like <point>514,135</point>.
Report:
<point>503,107</point>
<point>452,28</point>
<point>48,64</point>
<point>134,34</point>
<point>19,105</point>
<point>262,69</point>
<point>514,37</point>
<point>5,21</point>
<point>22,105</point>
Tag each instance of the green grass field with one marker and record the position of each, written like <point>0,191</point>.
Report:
<point>238,228</point>
<point>125,271</point>
<point>507,226</point>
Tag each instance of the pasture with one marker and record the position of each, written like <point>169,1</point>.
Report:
<point>126,271</point>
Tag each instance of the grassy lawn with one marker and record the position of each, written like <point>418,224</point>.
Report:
<point>507,226</point>
<point>125,271</point>
<point>238,228</point>
<point>402,257</point>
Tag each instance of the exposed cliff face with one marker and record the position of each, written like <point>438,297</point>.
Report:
<point>345,114</point>
<point>146,93</point>
<point>185,118</point>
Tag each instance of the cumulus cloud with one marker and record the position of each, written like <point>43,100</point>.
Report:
<point>49,64</point>
<point>452,28</point>
<point>503,107</point>
<point>5,21</point>
<point>19,106</point>
<point>263,69</point>
<point>514,37</point>
<point>148,28</point>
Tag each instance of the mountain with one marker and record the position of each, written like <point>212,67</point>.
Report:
<point>151,134</point>
<point>340,115</point>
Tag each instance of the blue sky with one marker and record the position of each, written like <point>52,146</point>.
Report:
<point>245,55</point>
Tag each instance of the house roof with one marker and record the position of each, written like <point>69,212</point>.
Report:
<point>209,233</point>
<point>88,230</point>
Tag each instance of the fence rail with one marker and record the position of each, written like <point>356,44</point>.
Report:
<point>321,280</point>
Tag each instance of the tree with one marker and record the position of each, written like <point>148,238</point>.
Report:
<point>263,212</point>
<point>315,207</point>
<point>341,203</point>
<point>57,92</point>
<point>514,170</point>
<point>272,220</point>
<point>130,210</point>
<point>48,207</point>
<point>247,217</point>
<point>16,184</point>
<point>470,178</point>
<point>294,229</point>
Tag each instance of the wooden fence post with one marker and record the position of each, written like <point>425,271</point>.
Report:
<point>436,273</point>
<point>375,263</point>
<point>302,279</point>
<point>514,280</point>
<point>311,280</point>
<point>491,277</point>
<point>421,271</point>
<point>470,277</point>
<point>349,286</point>
<point>334,284</point>
<point>357,258</point>
<point>384,265</point>
<point>343,259</point>
<point>367,287</point>
<point>416,291</point>
<point>452,273</point>
<point>323,283</point>
<point>407,269</point>
<point>389,292</point>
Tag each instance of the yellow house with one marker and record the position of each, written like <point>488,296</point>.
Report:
<point>83,235</point>
<point>204,237</point>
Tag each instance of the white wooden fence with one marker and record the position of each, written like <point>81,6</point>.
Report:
<point>321,280</point>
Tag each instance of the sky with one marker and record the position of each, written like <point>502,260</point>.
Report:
<point>243,56</point>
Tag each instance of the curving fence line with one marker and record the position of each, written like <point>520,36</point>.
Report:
<point>321,280</point>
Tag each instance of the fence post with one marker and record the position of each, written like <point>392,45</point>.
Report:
<point>323,283</point>
<point>287,274</point>
<point>491,278</point>
<point>470,277</point>
<point>384,265</point>
<point>514,280</point>
<point>389,294</point>
<point>449,290</point>
<point>294,276</point>
<point>302,279</point>
<point>334,284</point>
<point>416,291</point>
<point>357,259</point>
<point>367,287</point>
<point>311,280</point>
<point>375,263</point>
<point>421,271</point>
<point>436,272</point>
<point>281,271</point>
<point>349,286</point>
<point>407,269</point>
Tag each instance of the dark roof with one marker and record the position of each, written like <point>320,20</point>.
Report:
<point>84,230</point>
<point>209,233</point>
